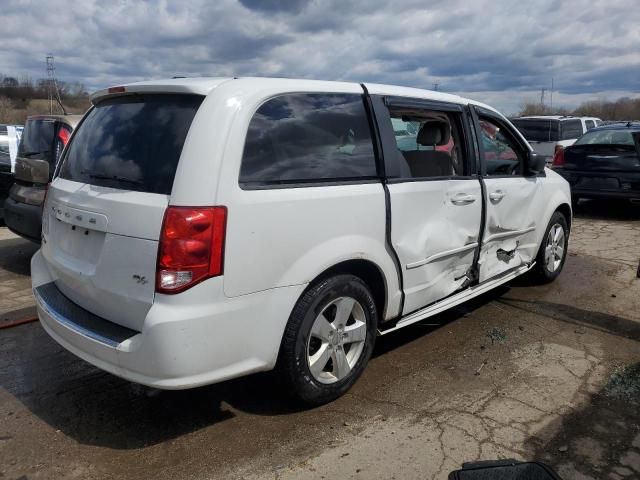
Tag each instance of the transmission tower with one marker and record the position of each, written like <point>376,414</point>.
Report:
<point>53,92</point>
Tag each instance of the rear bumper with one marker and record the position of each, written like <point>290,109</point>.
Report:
<point>609,184</point>
<point>23,219</point>
<point>194,338</point>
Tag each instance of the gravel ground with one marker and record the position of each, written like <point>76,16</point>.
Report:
<point>528,372</point>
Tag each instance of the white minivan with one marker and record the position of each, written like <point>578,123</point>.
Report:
<point>198,230</point>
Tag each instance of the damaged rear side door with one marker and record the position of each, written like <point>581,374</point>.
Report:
<point>435,196</point>
<point>512,198</point>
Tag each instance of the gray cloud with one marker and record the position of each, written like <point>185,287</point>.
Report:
<point>494,50</point>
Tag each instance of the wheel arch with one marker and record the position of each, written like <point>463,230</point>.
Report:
<point>565,210</point>
<point>367,271</point>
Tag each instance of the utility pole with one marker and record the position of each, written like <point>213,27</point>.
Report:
<point>542,97</point>
<point>435,86</point>
<point>551,96</point>
<point>53,93</point>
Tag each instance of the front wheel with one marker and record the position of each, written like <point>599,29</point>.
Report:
<point>329,339</point>
<point>553,251</point>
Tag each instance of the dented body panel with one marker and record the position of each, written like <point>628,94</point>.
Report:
<point>512,221</point>
<point>435,239</point>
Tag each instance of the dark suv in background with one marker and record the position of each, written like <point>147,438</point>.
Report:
<point>43,139</point>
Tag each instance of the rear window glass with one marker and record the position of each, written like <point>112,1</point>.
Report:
<point>308,137</point>
<point>37,140</point>
<point>537,130</point>
<point>606,137</point>
<point>132,142</point>
<point>571,129</point>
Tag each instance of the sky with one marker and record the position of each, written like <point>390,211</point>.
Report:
<point>496,51</point>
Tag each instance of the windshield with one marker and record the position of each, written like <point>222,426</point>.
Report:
<point>606,137</point>
<point>537,130</point>
<point>132,142</point>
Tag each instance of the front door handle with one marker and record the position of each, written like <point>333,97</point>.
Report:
<point>463,199</point>
<point>496,196</point>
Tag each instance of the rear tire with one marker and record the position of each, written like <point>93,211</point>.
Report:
<point>328,340</point>
<point>553,250</point>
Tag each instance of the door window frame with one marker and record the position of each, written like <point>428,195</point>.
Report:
<point>476,112</point>
<point>381,105</point>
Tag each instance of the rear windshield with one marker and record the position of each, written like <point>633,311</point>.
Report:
<point>131,142</point>
<point>537,130</point>
<point>571,129</point>
<point>37,140</point>
<point>606,137</point>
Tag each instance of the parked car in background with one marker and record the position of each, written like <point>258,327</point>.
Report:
<point>546,133</point>
<point>9,139</point>
<point>41,144</point>
<point>199,230</point>
<point>603,163</point>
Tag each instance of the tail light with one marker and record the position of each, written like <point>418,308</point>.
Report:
<point>191,247</point>
<point>63,135</point>
<point>558,156</point>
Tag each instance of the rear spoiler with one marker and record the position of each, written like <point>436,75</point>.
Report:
<point>174,85</point>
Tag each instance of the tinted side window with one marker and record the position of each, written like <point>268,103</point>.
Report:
<point>307,137</point>
<point>502,154</point>
<point>571,129</point>
<point>590,124</point>
<point>429,142</point>
<point>537,130</point>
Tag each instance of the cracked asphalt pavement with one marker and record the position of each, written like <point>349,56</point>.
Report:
<point>546,373</point>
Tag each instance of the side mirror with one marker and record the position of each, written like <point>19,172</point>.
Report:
<point>32,171</point>
<point>535,163</point>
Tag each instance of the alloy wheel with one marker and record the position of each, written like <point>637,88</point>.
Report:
<point>554,250</point>
<point>336,340</point>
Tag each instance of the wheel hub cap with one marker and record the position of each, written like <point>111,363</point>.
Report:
<point>336,340</point>
<point>555,248</point>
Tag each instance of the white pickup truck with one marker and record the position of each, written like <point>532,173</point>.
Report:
<point>546,132</point>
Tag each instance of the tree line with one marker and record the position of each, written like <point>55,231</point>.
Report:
<point>21,97</point>
<point>623,108</point>
<point>24,88</point>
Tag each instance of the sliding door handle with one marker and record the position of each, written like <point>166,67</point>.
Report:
<point>496,196</point>
<point>463,199</point>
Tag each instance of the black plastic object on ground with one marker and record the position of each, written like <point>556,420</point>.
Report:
<point>504,470</point>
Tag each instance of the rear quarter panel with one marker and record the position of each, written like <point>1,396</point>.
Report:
<point>277,237</point>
